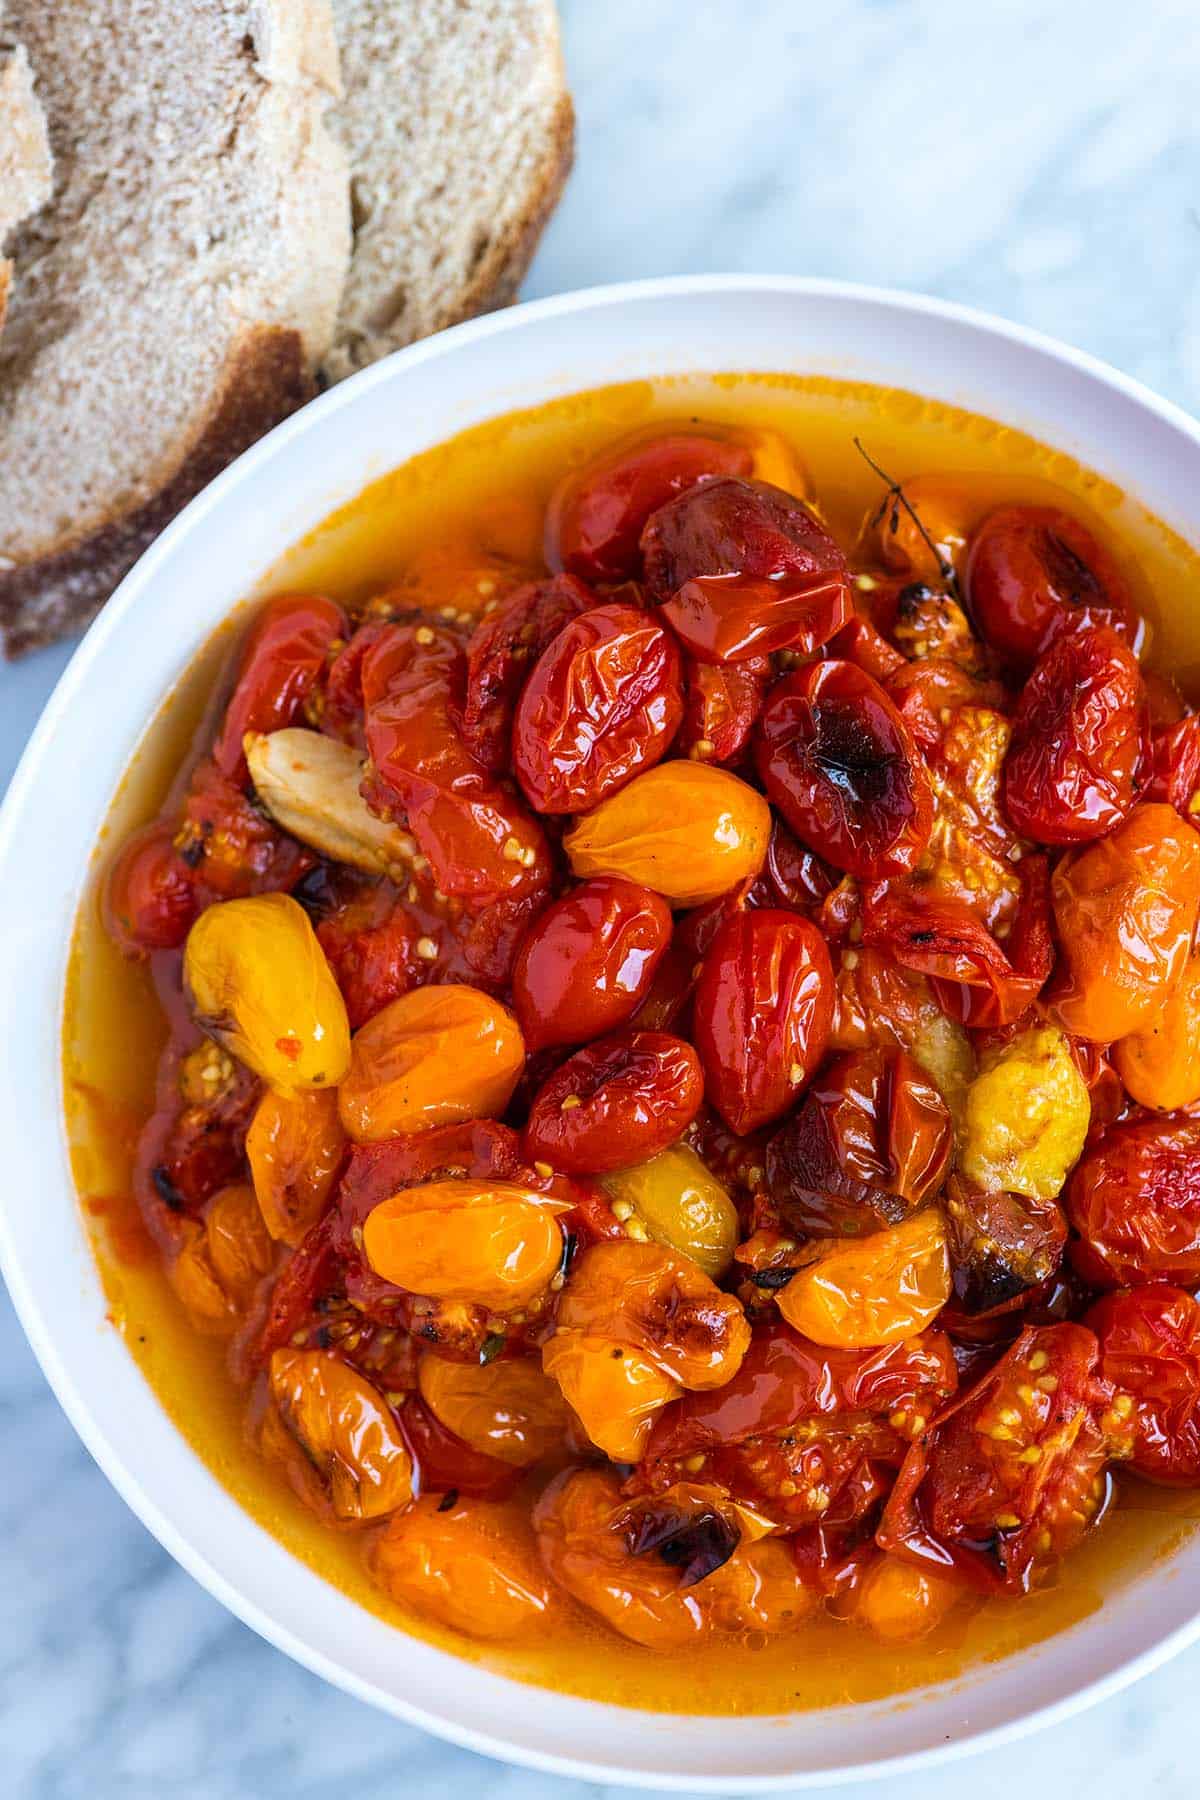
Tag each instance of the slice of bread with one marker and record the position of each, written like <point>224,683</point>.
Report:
<point>25,163</point>
<point>173,297</point>
<point>459,130</point>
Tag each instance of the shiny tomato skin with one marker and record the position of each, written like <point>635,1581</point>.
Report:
<point>1134,1199</point>
<point>793,875</point>
<point>342,715</point>
<point>586,964</point>
<point>1004,1249</point>
<point>617,1102</point>
<point>595,516</point>
<point>373,954</point>
<point>482,844</point>
<point>841,765</point>
<point>602,704</point>
<point>762,1014</point>
<point>149,898</point>
<point>868,1146</point>
<point>741,568</point>
<point>1071,770</point>
<point>784,1377</point>
<point>1150,1350</point>
<point>720,704</point>
<point>1174,775</point>
<point>445,1464</point>
<point>284,653</point>
<point>504,649</point>
<point>971,1501</point>
<point>1033,571</point>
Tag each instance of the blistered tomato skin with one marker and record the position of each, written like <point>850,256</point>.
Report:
<point>503,650</point>
<point>1150,1352</point>
<point>1160,1065</point>
<point>596,515</point>
<point>614,1391</point>
<point>587,962</point>
<point>259,984</point>
<point>1070,773</point>
<point>1034,571</point>
<point>870,1144</point>
<point>149,900</point>
<point>841,765</point>
<point>468,1565</point>
<point>1174,775</point>
<point>1134,1199</point>
<point>761,1015</point>
<point>687,831</point>
<point>876,1290</point>
<point>615,1103</point>
<point>435,1056</point>
<point>741,569</point>
<point>602,704</point>
<point>661,1305</point>
<point>1125,913</point>
<point>285,652</point>
<point>481,841</point>
<point>347,1430</point>
<point>494,1243</point>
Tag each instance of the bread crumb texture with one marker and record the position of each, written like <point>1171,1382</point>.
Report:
<point>174,293</point>
<point>458,128</point>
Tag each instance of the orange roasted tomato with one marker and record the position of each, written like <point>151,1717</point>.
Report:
<point>1160,1065</point>
<point>899,1601</point>
<point>295,1147</point>
<point>471,1565</point>
<point>1125,913</point>
<point>508,1409</point>
<point>221,1260</point>
<point>435,1056</point>
<point>495,1243</point>
<point>667,1570</point>
<point>347,1431</point>
<point>876,1290</point>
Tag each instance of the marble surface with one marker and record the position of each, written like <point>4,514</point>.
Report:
<point>1037,160</point>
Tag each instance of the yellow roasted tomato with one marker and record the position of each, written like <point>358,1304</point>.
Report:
<point>660,1304</point>
<point>347,1431</point>
<point>472,1565</point>
<point>685,829</point>
<point>509,1409</point>
<point>873,1290</point>
<point>491,1242</point>
<point>676,1200</point>
<point>259,984</point>
<point>1027,1115</point>
<point>435,1056</point>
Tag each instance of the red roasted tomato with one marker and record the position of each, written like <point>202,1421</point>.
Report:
<point>503,650</point>
<point>1033,572</point>
<point>281,661</point>
<point>587,963</point>
<point>617,1102</point>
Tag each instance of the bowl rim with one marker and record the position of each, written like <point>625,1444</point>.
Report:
<point>38,1326</point>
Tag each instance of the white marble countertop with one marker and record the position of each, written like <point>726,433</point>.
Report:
<point>1037,160</point>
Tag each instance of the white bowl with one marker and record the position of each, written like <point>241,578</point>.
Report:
<point>148,633</point>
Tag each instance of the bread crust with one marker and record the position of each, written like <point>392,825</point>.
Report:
<point>266,378</point>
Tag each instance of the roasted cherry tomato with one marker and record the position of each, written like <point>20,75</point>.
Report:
<point>870,1145</point>
<point>586,964</point>
<point>232,849</point>
<point>976,980</point>
<point>286,650</point>
<point>1175,765</point>
<point>445,1464</point>
<point>472,1565</point>
<point>149,899</point>
<point>741,568</point>
<point>1134,1199</point>
<point>507,1409</point>
<point>1002,1246</point>
<point>342,715</point>
<point>1125,912</point>
<point>660,1304</point>
<point>678,1202</point>
<point>492,1243</point>
<point>879,1289</point>
<point>1026,1116</point>
<point>1012,1474</point>
<point>761,1015</point>
<point>1160,1065</point>
<point>596,514</point>
<point>371,942</point>
<point>295,1147</point>
<point>793,875</point>
<point>503,650</point>
<point>920,527</point>
<point>1071,769</point>
<point>615,1103</point>
<point>720,704</point>
<point>1034,571</point>
<point>603,703</point>
<point>688,831</point>
<point>436,1056</point>
<point>347,1431</point>
<point>898,1601</point>
<point>842,767</point>
<point>1150,1353</point>
<point>482,844</point>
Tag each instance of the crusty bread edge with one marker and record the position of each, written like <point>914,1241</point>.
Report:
<point>266,377</point>
<point>504,268</point>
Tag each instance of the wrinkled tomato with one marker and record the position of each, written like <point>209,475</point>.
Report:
<point>741,568</point>
<point>603,703</point>
<point>444,1463</point>
<point>1150,1353</point>
<point>842,767</point>
<point>503,650</point>
<point>283,656</point>
<point>1174,775</point>
<point>1134,1199</point>
<point>1071,770</point>
<point>596,514</point>
<point>1033,572</point>
<point>720,704</point>
<point>587,963</point>
<point>761,1014</point>
<point>870,1145</point>
<point>1002,1246</point>
<point>615,1103</point>
<point>149,897</point>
